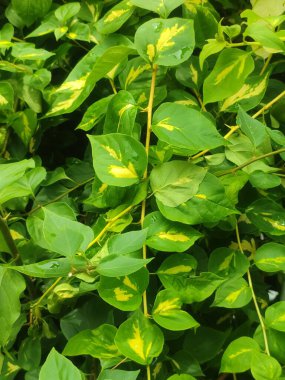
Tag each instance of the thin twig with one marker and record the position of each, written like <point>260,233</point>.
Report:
<point>262,325</point>
<point>254,159</point>
<point>59,196</point>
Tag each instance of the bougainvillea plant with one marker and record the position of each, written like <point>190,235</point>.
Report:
<point>142,181</point>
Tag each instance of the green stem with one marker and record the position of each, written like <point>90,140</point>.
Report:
<point>53,285</point>
<point>108,225</point>
<point>60,196</point>
<point>268,105</point>
<point>112,83</point>
<point>254,159</point>
<point>4,229</point>
<point>236,127</point>
<point>266,64</point>
<point>198,96</point>
<point>143,209</point>
<point>262,325</point>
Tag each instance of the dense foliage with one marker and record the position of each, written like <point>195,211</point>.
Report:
<point>142,175</point>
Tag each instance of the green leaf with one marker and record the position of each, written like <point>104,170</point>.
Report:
<point>176,182</point>
<point>58,367</point>
<point>226,262</point>
<point>249,95</point>
<point>53,268</point>
<point>51,230</point>
<point>237,356</point>
<point>163,8</point>
<point>118,159</point>
<point>82,79</point>
<point>181,377</point>
<point>139,340</point>
<point>233,293</point>
<point>12,172</point>
<point>98,343</point>
<point>124,293</point>
<point>263,180</point>
<point>6,96</point>
<point>167,236</point>
<point>29,355</point>
<point>118,374</point>
<point>94,114</point>
<point>265,8</point>
<point>27,52</point>
<point>205,23</point>
<point>264,367</point>
<point>39,80</point>
<point>233,185</point>
<point>79,31</point>
<point>169,125</point>
<point>241,149</point>
<point>190,74</point>
<point>276,341</point>
<point>128,242</point>
<point>175,267</point>
<point>208,205</point>
<point>30,11</point>
<point>137,74</point>
<point>266,37</point>
<point>267,216</point>
<point>67,11</point>
<point>275,316</point>
<point>228,76</point>
<point>12,285</point>
<point>196,288</point>
<point>270,257</point>
<point>46,27</point>
<point>25,124</point>
<point>6,34</point>
<point>115,266</point>
<point>252,128</point>
<point>167,312</point>
<point>121,114</point>
<point>212,47</point>
<point>115,17</point>
<point>205,343</point>
<point>165,42</point>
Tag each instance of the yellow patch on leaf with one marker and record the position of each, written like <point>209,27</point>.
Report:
<point>124,109</point>
<point>134,73</point>
<point>201,196</point>
<point>122,295</point>
<point>3,100</point>
<point>165,306</point>
<point>242,351</point>
<point>173,237</point>
<point>232,297</point>
<point>123,172</point>
<point>113,15</point>
<point>102,188</point>
<point>176,270</point>
<point>275,224</point>
<point>165,40</point>
<point>150,51</point>
<point>129,283</point>
<point>164,124</point>
<point>74,85</point>
<point>224,73</point>
<point>246,92</point>
<point>137,344</point>
<point>112,152</point>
